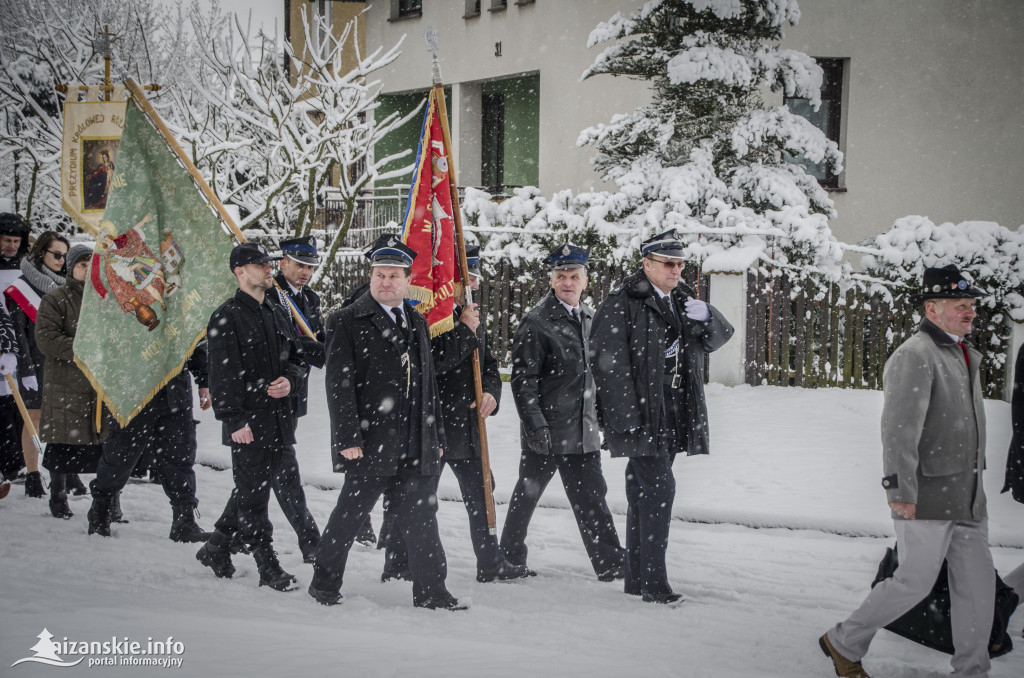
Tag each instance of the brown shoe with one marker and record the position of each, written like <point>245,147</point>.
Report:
<point>844,667</point>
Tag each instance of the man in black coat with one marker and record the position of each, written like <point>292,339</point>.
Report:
<point>452,352</point>
<point>255,364</point>
<point>165,431</point>
<point>554,393</point>
<point>386,432</point>
<point>1015,458</point>
<point>648,345</point>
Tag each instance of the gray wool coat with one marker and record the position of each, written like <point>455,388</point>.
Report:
<point>933,428</point>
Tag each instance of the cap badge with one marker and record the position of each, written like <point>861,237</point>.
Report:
<point>962,284</point>
<point>566,251</point>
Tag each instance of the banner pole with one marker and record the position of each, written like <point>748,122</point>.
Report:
<point>140,97</point>
<point>460,248</point>
<point>24,412</point>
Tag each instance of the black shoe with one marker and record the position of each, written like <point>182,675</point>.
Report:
<point>366,534</point>
<point>442,602</point>
<point>403,574</point>
<point>308,552</point>
<point>34,485</point>
<point>270,570</point>
<point>215,555</point>
<point>325,597</point>
<point>75,485</point>
<point>663,598</point>
<point>504,572</point>
<point>236,545</point>
<point>59,506</point>
<point>99,517</point>
<point>184,528</point>
<point>116,515</point>
<point>617,572</point>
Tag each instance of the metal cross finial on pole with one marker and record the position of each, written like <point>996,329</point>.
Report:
<point>433,38</point>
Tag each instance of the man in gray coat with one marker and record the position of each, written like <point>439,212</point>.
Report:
<point>555,396</point>
<point>933,446</point>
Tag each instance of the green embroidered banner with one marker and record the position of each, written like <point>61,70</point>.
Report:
<point>158,273</point>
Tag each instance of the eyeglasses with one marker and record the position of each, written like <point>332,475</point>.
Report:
<point>669,264</point>
<point>56,255</point>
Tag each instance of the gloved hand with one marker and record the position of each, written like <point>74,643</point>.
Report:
<point>8,362</point>
<point>310,345</point>
<point>697,310</point>
<point>540,440</point>
<point>30,383</point>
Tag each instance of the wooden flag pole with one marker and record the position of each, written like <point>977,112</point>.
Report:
<point>24,412</point>
<point>165,132</point>
<point>460,248</point>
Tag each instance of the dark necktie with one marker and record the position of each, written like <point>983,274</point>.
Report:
<point>576,315</point>
<point>967,356</point>
<point>400,322</point>
<point>666,309</point>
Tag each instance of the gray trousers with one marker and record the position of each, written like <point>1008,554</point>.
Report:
<point>922,546</point>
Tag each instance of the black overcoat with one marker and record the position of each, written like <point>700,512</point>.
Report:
<point>1015,457</point>
<point>453,362</point>
<point>628,357</point>
<point>314,350</point>
<point>551,380</point>
<point>365,382</point>
<point>250,346</point>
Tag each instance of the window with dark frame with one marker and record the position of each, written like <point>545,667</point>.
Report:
<point>407,8</point>
<point>492,167</point>
<point>828,117</point>
<point>497,5</point>
<point>472,9</point>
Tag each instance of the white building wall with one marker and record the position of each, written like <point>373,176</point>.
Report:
<point>933,111</point>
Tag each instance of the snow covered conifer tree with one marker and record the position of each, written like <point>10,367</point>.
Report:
<point>707,155</point>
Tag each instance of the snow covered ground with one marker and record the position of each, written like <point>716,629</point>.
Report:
<point>778,535</point>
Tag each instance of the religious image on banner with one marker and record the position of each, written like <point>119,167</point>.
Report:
<point>98,156</point>
<point>92,133</point>
<point>159,271</point>
<point>429,228</point>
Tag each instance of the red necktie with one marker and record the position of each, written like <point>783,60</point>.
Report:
<point>967,357</point>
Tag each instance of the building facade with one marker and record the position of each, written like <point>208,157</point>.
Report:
<point>924,97</point>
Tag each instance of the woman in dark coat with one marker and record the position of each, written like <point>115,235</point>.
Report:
<point>42,271</point>
<point>67,420</point>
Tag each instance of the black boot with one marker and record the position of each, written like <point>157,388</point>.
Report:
<point>75,484</point>
<point>366,534</point>
<point>270,570</point>
<point>34,485</point>
<point>216,556</point>
<point>99,517</point>
<point>59,505</point>
<point>116,516</point>
<point>184,528</point>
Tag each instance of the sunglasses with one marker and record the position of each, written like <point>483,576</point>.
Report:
<point>56,255</point>
<point>669,264</point>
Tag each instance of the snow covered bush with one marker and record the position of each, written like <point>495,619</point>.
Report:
<point>707,156</point>
<point>988,254</point>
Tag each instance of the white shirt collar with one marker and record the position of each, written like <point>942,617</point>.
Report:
<point>569,308</point>
<point>387,309</point>
<point>955,338</point>
<point>293,288</point>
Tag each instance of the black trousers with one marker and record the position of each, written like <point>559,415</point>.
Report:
<point>470,475</point>
<point>256,471</point>
<point>650,491</point>
<point>411,498</point>
<point>586,489</point>
<point>11,459</point>
<point>169,438</point>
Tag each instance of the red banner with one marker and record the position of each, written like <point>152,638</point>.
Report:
<point>429,228</point>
